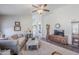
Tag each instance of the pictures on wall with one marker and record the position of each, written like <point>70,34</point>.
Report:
<point>48,29</point>
<point>39,28</point>
<point>17,26</point>
<point>17,23</point>
<point>57,25</point>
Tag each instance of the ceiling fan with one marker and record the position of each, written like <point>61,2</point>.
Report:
<point>40,8</point>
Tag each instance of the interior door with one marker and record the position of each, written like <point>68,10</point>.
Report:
<point>75,33</point>
<point>75,28</point>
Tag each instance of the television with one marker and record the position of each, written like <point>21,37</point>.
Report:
<point>58,32</point>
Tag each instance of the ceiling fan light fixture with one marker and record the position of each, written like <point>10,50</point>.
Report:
<point>40,8</point>
<point>40,11</point>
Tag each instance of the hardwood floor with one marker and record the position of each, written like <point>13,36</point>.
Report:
<point>70,47</point>
<point>47,48</point>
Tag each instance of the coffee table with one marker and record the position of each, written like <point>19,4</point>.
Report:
<point>32,44</point>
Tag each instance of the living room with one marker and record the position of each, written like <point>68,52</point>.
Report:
<point>53,27</point>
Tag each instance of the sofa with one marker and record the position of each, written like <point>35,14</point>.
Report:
<point>9,44</point>
<point>12,44</point>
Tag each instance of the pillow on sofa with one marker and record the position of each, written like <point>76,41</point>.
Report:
<point>14,37</point>
<point>20,35</point>
<point>20,41</point>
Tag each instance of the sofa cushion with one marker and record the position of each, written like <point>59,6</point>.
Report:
<point>14,36</point>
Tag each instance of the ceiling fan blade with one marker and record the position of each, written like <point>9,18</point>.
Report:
<point>35,6</point>
<point>34,11</point>
<point>46,10</point>
<point>45,5</point>
<point>40,5</point>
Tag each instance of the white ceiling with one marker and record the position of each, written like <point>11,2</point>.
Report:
<point>25,9</point>
<point>53,7</point>
<point>15,9</point>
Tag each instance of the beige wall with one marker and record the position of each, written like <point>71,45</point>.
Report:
<point>8,22</point>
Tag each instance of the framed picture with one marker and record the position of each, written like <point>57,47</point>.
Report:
<point>57,25</point>
<point>17,28</point>
<point>47,26</point>
<point>17,23</point>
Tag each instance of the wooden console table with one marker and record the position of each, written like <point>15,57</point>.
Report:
<point>58,38</point>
